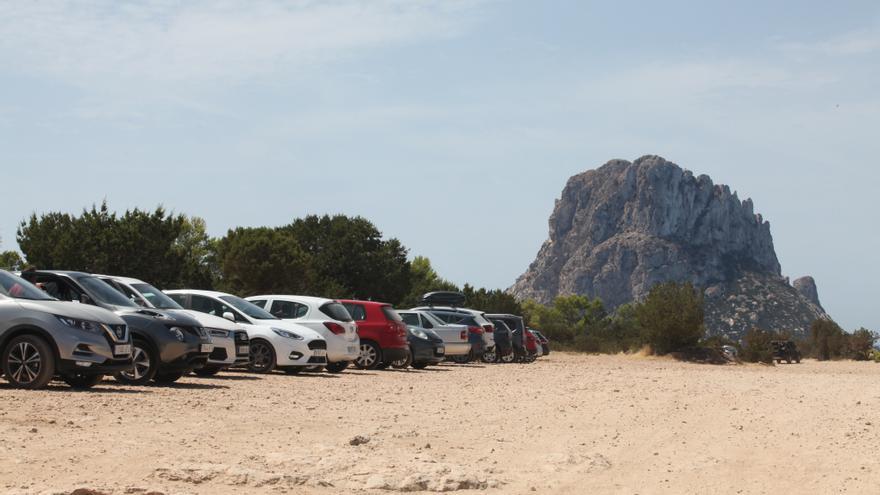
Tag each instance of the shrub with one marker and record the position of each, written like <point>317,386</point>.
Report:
<point>828,339</point>
<point>756,346</point>
<point>671,317</point>
<point>861,344</point>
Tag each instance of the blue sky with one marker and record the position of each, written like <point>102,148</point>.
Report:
<point>453,125</point>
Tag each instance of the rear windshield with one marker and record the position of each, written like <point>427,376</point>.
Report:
<point>335,311</point>
<point>248,308</point>
<point>19,288</point>
<point>390,314</point>
<point>356,311</point>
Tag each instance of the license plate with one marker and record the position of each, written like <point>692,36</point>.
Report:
<point>319,352</point>
<point>243,349</point>
<point>441,349</point>
<point>122,349</point>
<point>207,347</point>
<point>352,349</point>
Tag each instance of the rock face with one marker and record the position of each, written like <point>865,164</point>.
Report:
<point>622,228</point>
<point>807,287</point>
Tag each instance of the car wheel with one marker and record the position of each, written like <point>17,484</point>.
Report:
<point>143,367</point>
<point>488,357</point>
<point>208,371</point>
<point>166,378</point>
<point>82,381</point>
<point>508,358</point>
<point>28,362</point>
<point>262,359</point>
<point>404,363</point>
<point>337,367</point>
<point>419,366</point>
<point>370,357</point>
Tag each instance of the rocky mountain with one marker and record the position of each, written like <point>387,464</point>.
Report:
<point>619,229</point>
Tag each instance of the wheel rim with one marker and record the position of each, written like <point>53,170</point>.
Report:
<point>507,357</point>
<point>368,355</point>
<point>25,363</point>
<point>261,356</point>
<point>489,356</point>
<point>140,364</point>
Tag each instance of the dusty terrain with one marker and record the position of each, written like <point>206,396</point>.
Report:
<point>566,424</point>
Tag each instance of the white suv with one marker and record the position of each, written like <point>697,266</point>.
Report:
<point>454,315</point>
<point>230,340</point>
<point>273,342</point>
<point>325,316</point>
<point>455,337</point>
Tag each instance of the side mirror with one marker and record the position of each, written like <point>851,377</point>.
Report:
<point>85,299</point>
<point>229,316</point>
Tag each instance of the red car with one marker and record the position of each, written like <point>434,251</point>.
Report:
<point>382,333</point>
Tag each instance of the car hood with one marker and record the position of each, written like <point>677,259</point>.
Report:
<point>305,332</point>
<point>207,321</point>
<point>169,317</point>
<point>73,310</point>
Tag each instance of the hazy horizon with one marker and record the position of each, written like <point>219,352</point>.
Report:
<point>452,125</point>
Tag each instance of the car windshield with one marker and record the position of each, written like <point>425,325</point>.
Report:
<point>248,308</point>
<point>156,297</point>
<point>103,293</point>
<point>433,319</point>
<point>19,288</point>
<point>390,314</point>
<point>336,311</point>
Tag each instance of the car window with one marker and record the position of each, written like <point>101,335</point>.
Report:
<point>211,306</point>
<point>247,308</point>
<point>390,314</point>
<point>19,288</point>
<point>178,298</point>
<point>426,323</point>
<point>336,311</point>
<point>258,302</point>
<point>357,311</point>
<point>410,319</point>
<point>104,293</point>
<point>127,292</point>
<point>155,296</point>
<point>288,309</point>
<point>446,317</point>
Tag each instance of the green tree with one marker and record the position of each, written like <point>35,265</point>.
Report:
<point>756,346</point>
<point>491,300</point>
<point>569,319</point>
<point>424,279</point>
<point>828,339</point>
<point>198,253</point>
<point>350,256</point>
<point>671,317</point>
<point>10,260</point>
<point>263,260</point>
<point>861,343</point>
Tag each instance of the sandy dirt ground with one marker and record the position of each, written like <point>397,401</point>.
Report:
<point>567,424</point>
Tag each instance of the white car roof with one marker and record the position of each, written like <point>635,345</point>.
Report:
<point>209,293</point>
<point>312,300</point>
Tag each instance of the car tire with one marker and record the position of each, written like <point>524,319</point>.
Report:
<point>208,371</point>
<point>370,357</point>
<point>28,362</point>
<point>419,366</point>
<point>167,378</point>
<point>402,364</point>
<point>489,357</point>
<point>382,366</point>
<point>81,381</point>
<point>262,357</point>
<point>337,367</point>
<point>144,364</point>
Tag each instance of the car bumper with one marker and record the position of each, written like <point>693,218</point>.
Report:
<point>427,351</point>
<point>108,367</point>
<point>290,352</point>
<point>393,354</point>
<point>224,352</point>
<point>341,349</point>
<point>457,348</point>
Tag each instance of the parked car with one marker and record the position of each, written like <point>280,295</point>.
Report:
<point>42,337</point>
<point>274,343</point>
<point>503,341</point>
<point>426,347</point>
<point>785,350</point>
<point>165,345</point>
<point>231,343</point>
<point>447,306</point>
<point>519,343</point>
<point>455,337</point>
<point>543,341</point>
<point>532,347</point>
<point>326,317</point>
<point>382,333</point>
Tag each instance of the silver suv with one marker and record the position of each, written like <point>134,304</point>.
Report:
<point>42,337</point>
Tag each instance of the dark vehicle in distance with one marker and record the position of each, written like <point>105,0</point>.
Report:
<point>425,348</point>
<point>42,337</point>
<point>785,350</point>
<point>545,343</point>
<point>165,346</point>
<point>503,341</point>
<point>524,343</point>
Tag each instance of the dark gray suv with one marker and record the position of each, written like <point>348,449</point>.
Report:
<point>165,345</point>
<point>42,337</point>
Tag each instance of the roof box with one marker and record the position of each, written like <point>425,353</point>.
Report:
<point>443,298</point>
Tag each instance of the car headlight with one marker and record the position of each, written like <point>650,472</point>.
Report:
<point>177,332</point>
<point>419,333</point>
<point>84,325</point>
<point>287,334</point>
<point>216,332</point>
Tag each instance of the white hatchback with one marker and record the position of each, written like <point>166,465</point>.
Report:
<point>325,316</point>
<point>273,342</point>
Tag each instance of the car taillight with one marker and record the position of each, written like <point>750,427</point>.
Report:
<point>464,335</point>
<point>476,330</point>
<point>489,328</point>
<point>336,328</point>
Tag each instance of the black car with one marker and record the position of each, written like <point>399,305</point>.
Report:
<point>785,350</point>
<point>517,326</point>
<point>425,348</point>
<point>165,346</point>
<point>503,341</point>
